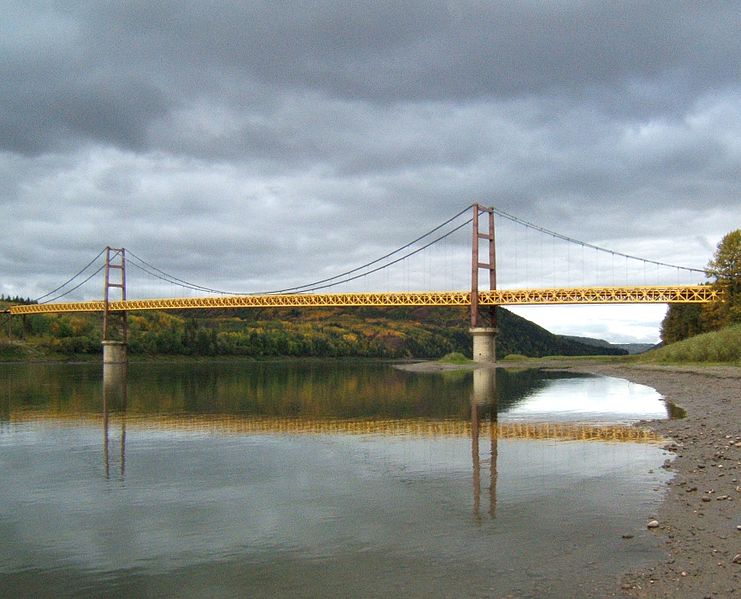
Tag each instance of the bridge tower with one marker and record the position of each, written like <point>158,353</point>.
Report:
<point>483,318</point>
<point>115,323</point>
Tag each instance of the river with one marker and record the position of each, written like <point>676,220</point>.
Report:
<point>321,479</point>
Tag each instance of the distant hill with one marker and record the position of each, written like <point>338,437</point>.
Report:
<point>631,348</point>
<point>432,331</point>
<point>635,348</point>
<point>399,332</point>
<point>518,335</point>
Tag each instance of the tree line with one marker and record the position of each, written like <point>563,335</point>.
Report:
<point>424,332</point>
<point>724,273</point>
<point>16,299</point>
<point>329,335</point>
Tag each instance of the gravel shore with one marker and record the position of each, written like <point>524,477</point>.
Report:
<point>699,520</point>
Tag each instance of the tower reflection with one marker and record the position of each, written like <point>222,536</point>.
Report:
<point>115,396</point>
<point>483,403</point>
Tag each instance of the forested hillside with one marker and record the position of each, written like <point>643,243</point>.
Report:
<point>330,332</point>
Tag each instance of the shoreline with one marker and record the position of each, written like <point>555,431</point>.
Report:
<point>701,510</point>
<point>699,518</point>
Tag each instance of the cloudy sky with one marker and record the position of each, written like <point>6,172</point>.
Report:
<point>258,145</point>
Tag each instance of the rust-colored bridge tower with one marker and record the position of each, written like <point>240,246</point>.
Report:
<point>115,323</point>
<point>483,318</point>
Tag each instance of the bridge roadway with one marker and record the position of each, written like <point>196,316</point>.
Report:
<point>500,297</point>
<point>259,425</point>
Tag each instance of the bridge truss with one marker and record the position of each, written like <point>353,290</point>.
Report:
<point>501,297</point>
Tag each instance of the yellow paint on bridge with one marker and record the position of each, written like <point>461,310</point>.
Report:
<point>501,297</point>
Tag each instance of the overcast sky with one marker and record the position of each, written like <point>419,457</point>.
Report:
<point>256,145</point>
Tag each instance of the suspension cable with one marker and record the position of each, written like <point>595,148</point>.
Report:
<point>37,300</point>
<point>530,225</point>
<point>144,266</point>
<point>74,288</point>
<point>345,277</point>
<point>377,260</point>
<point>394,261</point>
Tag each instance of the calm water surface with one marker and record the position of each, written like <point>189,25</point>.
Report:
<point>320,479</point>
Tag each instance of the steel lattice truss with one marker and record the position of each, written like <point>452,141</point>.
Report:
<point>501,297</point>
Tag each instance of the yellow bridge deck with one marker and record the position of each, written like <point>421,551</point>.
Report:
<point>500,297</point>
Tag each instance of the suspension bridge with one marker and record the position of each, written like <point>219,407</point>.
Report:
<point>482,301</point>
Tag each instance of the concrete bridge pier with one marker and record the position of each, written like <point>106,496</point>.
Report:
<point>114,352</point>
<point>484,344</point>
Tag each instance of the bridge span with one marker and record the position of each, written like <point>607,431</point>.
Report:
<point>481,302</point>
<point>499,297</point>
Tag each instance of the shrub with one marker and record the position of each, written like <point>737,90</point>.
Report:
<point>514,357</point>
<point>454,358</point>
<point>717,346</point>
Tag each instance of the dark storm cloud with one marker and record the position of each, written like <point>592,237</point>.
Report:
<point>108,72</point>
<point>56,88</point>
<point>51,115</point>
<point>393,51</point>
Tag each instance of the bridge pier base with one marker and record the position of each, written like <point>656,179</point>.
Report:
<point>114,352</point>
<point>484,344</point>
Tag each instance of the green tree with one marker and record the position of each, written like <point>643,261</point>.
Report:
<point>725,271</point>
<point>682,321</point>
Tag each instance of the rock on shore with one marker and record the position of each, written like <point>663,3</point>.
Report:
<point>699,521</point>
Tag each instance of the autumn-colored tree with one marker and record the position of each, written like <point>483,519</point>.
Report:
<point>725,271</point>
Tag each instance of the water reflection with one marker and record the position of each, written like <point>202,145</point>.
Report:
<point>483,402</point>
<point>314,390</point>
<point>115,398</point>
<point>523,400</point>
<point>483,424</point>
<point>240,483</point>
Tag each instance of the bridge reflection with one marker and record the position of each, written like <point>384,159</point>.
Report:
<point>483,400</point>
<point>483,425</point>
<point>115,396</point>
<point>490,392</point>
<point>229,424</point>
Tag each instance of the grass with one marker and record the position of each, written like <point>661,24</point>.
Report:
<point>514,358</point>
<point>717,347</point>
<point>455,358</point>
